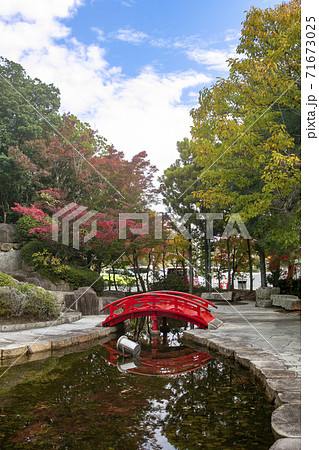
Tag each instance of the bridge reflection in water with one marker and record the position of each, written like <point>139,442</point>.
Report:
<point>158,360</point>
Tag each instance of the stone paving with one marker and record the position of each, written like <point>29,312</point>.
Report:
<point>266,328</point>
<point>17,343</point>
<point>268,343</point>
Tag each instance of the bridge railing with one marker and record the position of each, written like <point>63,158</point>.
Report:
<point>159,299</point>
<point>206,303</point>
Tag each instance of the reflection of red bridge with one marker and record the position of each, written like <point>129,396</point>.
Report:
<point>178,305</point>
<point>162,362</point>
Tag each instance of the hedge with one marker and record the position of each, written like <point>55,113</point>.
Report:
<point>78,277</point>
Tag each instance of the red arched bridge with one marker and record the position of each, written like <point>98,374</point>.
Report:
<point>178,305</point>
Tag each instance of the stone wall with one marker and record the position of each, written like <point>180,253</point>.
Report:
<point>86,301</point>
<point>10,253</point>
<point>6,232</point>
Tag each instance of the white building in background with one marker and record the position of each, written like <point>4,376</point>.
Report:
<point>241,282</point>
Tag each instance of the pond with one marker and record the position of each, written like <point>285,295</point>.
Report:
<point>82,400</point>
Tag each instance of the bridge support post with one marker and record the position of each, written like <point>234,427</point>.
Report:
<point>155,331</point>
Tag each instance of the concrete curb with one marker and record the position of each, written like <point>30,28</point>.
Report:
<point>56,343</point>
<point>68,317</point>
<point>282,385</point>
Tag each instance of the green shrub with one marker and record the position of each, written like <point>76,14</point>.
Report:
<point>12,302</point>
<point>290,286</point>
<point>24,224</point>
<point>78,277</point>
<point>37,254</point>
<point>30,248</point>
<point>6,280</point>
<point>27,301</point>
<point>40,303</point>
<point>49,266</point>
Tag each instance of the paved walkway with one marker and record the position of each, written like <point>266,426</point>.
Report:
<point>16,343</point>
<point>266,328</point>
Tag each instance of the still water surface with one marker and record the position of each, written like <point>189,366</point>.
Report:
<point>81,400</point>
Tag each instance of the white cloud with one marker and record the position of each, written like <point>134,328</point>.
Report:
<point>215,59</point>
<point>129,35</point>
<point>147,114</point>
<point>135,114</point>
<point>127,3</point>
<point>231,34</point>
<point>38,10</point>
<point>99,33</point>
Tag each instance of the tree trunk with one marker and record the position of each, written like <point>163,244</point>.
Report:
<point>251,280</point>
<point>234,269</point>
<point>148,269</point>
<point>262,263</point>
<point>136,266</point>
<point>191,272</point>
<point>206,262</point>
<point>228,263</point>
<point>209,265</point>
<point>163,262</point>
<point>115,285</point>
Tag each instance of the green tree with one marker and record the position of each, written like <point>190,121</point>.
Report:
<point>247,130</point>
<point>179,199</point>
<point>27,105</point>
<point>26,109</point>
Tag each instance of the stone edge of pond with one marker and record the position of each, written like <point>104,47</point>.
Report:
<point>57,343</point>
<point>282,385</point>
<point>67,317</point>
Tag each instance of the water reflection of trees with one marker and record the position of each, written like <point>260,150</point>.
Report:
<point>82,401</point>
<point>216,407</point>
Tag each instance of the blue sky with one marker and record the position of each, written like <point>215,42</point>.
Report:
<point>131,68</point>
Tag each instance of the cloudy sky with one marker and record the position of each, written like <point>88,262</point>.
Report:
<point>131,68</point>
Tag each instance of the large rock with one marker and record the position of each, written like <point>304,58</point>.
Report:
<point>261,303</point>
<point>7,232</point>
<point>83,300</point>
<point>264,293</point>
<point>6,247</point>
<point>10,260</point>
<point>38,280</point>
<point>288,302</point>
<point>70,301</point>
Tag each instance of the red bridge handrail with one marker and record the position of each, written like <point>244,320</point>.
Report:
<point>198,301</point>
<point>176,304</point>
<point>187,295</point>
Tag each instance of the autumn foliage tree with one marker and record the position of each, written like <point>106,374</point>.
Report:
<point>79,162</point>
